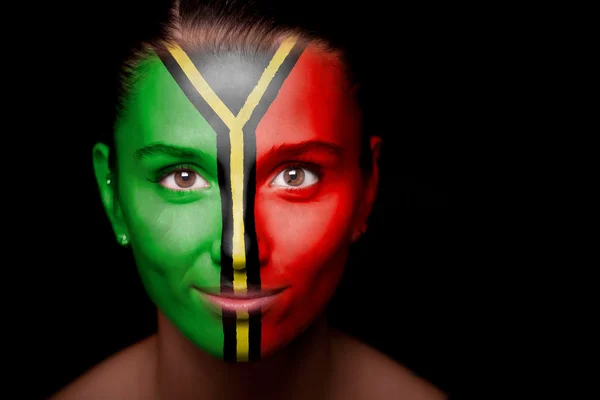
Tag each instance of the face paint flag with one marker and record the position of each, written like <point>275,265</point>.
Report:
<point>233,99</point>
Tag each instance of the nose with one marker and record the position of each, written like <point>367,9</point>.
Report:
<point>239,249</point>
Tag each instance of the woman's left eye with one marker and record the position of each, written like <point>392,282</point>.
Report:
<point>295,178</point>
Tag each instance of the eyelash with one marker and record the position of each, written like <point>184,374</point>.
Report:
<point>315,169</point>
<point>305,165</point>
<point>164,172</point>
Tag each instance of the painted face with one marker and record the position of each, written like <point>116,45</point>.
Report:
<point>239,185</point>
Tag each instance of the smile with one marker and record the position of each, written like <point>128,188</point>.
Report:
<point>248,302</point>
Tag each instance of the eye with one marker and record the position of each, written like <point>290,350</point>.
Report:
<point>295,178</point>
<point>184,179</point>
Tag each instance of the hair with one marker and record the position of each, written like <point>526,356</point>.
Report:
<point>244,26</point>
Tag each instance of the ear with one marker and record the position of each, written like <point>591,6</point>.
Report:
<point>371,186</point>
<point>373,181</point>
<point>107,183</point>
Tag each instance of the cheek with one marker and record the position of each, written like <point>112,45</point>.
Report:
<point>306,244</point>
<point>300,237</point>
<point>170,235</point>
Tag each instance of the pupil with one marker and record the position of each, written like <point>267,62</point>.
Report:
<point>294,177</point>
<point>185,179</point>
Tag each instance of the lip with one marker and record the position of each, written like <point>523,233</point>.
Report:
<point>248,302</point>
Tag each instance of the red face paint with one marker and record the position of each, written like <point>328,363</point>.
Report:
<point>304,234</point>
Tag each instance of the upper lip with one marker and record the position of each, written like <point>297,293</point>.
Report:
<point>252,291</point>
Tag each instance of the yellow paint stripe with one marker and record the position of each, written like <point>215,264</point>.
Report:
<point>201,85</point>
<point>239,281</point>
<point>267,76</point>
<point>242,326</point>
<point>236,167</point>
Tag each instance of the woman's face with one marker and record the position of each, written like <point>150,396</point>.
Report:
<point>239,189</point>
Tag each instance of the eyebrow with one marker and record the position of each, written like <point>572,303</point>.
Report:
<point>287,149</point>
<point>160,149</point>
<point>297,149</point>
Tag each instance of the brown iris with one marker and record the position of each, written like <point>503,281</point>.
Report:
<point>293,176</point>
<point>185,178</point>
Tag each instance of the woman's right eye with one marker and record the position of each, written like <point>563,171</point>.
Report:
<point>184,179</point>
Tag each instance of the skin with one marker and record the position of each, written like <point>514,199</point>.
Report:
<point>320,364</point>
<point>295,231</point>
<point>301,237</point>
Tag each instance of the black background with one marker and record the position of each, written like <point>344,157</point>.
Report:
<point>405,291</point>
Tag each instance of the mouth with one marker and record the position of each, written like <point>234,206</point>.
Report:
<point>242,303</point>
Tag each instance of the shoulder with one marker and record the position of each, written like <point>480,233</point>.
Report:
<point>123,375</point>
<point>372,374</point>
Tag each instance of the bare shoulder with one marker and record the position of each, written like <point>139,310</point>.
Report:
<point>124,375</point>
<point>368,373</point>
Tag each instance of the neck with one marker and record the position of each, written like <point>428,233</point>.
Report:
<point>301,370</point>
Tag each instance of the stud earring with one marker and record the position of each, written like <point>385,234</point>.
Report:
<point>123,241</point>
<point>108,180</point>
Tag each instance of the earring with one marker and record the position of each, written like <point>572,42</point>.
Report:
<point>108,180</point>
<point>123,241</point>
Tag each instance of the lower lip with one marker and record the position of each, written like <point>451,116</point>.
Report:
<point>237,305</point>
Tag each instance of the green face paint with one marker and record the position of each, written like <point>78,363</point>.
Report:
<point>175,234</point>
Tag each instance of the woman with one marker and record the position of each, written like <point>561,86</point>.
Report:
<point>240,176</point>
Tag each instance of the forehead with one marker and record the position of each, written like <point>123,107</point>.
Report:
<point>307,97</point>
